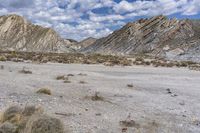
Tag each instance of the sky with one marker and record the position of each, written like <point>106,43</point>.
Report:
<point>79,19</point>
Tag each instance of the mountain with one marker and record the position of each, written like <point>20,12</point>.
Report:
<point>86,42</point>
<point>157,36</point>
<point>18,34</point>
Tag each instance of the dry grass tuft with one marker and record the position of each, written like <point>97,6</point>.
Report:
<point>96,97</point>
<point>44,91</point>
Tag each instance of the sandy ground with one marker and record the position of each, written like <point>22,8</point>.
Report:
<point>162,100</point>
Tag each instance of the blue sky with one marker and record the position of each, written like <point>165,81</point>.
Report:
<point>79,19</point>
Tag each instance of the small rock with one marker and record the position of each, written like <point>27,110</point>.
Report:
<point>182,103</point>
<point>174,95</point>
<point>168,91</point>
<point>98,114</point>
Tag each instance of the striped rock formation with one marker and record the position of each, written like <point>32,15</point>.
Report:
<point>157,36</point>
<point>17,34</point>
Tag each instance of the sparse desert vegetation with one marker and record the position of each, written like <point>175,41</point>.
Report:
<point>67,58</point>
<point>45,91</point>
<point>107,60</point>
<point>110,95</point>
<point>141,78</point>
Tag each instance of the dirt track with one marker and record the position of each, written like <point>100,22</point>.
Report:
<point>162,100</point>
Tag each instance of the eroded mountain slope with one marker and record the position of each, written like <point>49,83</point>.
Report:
<point>157,36</point>
<point>18,34</point>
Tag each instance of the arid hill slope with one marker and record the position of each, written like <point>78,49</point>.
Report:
<point>18,34</point>
<point>158,36</point>
<point>86,42</point>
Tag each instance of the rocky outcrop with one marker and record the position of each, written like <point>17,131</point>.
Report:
<point>157,36</point>
<point>17,34</point>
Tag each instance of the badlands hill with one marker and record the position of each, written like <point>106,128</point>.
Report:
<point>87,42</point>
<point>157,36</point>
<point>18,34</point>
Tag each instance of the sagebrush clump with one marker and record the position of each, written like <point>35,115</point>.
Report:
<point>30,119</point>
<point>2,58</point>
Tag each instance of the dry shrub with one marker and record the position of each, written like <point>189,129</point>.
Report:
<point>44,124</point>
<point>8,128</point>
<point>96,97</point>
<point>183,64</point>
<point>30,110</point>
<point>147,63</point>
<point>66,58</point>
<point>61,77</point>
<point>44,91</point>
<point>141,59</point>
<point>3,58</point>
<point>82,82</point>
<point>195,67</point>
<point>12,115</point>
<point>82,74</point>
<point>31,120</point>
<point>24,71</point>
<point>70,75</point>
<point>67,81</point>
<point>170,64</point>
<point>126,63</point>
<point>129,123</point>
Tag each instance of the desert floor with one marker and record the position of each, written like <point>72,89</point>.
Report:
<point>162,100</point>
